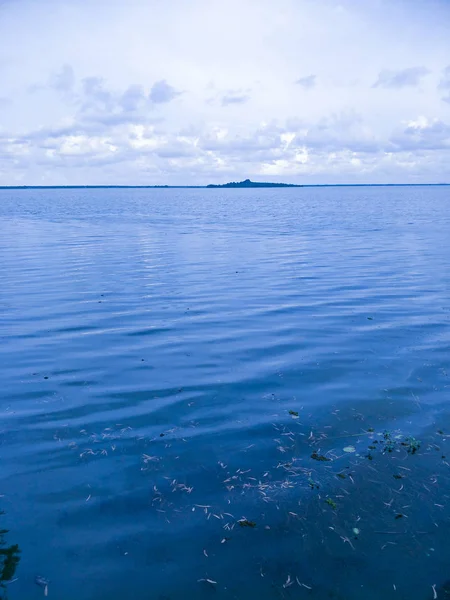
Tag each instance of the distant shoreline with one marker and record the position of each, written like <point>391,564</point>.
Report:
<point>205,187</point>
<point>215,187</point>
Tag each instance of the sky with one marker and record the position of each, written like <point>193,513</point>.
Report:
<point>108,92</point>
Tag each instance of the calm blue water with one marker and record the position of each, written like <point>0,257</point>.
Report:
<point>152,344</point>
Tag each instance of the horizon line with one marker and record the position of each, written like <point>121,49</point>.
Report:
<point>216,186</point>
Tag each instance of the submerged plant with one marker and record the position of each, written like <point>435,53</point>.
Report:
<point>331,503</point>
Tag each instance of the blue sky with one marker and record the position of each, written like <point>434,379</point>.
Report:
<point>150,92</point>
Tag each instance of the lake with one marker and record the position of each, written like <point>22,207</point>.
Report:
<point>226,393</point>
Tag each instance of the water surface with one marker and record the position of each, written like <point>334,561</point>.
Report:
<point>153,344</point>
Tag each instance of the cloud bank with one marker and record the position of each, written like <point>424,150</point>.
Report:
<point>191,94</point>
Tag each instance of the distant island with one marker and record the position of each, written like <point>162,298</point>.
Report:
<point>251,184</point>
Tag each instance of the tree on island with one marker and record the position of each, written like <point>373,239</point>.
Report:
<point>250,184</point>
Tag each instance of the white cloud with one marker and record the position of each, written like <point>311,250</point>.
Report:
<point>235,97</point>
<point>162,92</point>
<point>423,134</point>
<point>307,82</point>
<point>409,77</point>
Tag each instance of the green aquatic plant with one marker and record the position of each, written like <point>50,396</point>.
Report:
<point>331,503</point>
<point>412,445</point>
<point>389,443</point>
<point>9,559</point>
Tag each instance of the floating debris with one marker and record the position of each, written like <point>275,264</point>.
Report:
<point>43,583</point>
<point>210,581</point>
<point>350,449</point>
<point>399,516</point>
<point>319,457</point>
<point>356,531</point>
<point>293,413</point>
<point>246,523</point>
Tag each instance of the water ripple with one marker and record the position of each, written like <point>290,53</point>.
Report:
<point>171,359</point>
